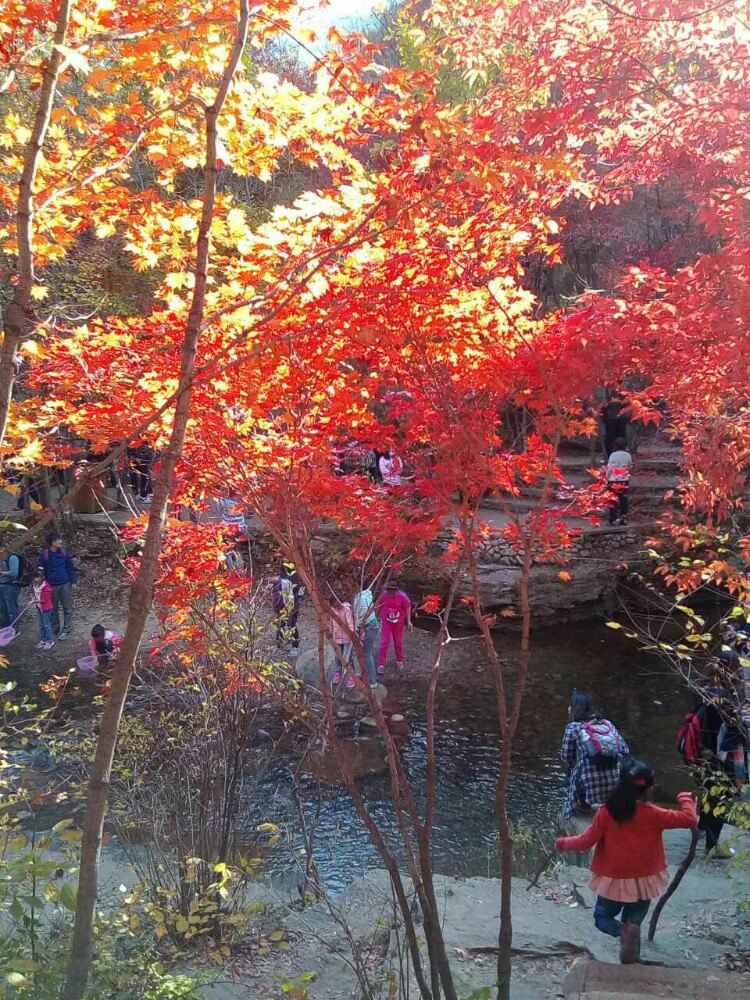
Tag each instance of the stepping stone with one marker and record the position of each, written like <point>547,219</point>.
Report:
<point>600,981</point>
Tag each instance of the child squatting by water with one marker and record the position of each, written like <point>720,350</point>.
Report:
<point>629,867</point>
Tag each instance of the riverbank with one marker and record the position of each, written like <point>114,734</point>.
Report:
<point>702,927</point>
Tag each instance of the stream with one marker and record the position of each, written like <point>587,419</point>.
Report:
<point>634,691</point>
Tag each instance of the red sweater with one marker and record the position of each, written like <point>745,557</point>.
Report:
<point>635,848</point>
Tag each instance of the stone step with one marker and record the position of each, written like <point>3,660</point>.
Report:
<point>591,980</point>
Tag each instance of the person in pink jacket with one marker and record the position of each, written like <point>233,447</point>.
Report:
<point>394,608</point>
<point>41,594</point>
<point>342,628</point>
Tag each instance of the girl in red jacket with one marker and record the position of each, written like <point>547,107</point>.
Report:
<point>629,864</point>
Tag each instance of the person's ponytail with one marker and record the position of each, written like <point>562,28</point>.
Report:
<point>635,781</point>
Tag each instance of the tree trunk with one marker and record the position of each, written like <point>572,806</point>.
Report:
<point>142,590</point>
<point>18,316</point>
<point>505,837</point>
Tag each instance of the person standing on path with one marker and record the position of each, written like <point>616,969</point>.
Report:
<point>287,593</point>
<point>617,473</point>
<point>342,627</point>
<point>41,594</point>
<point>391,469</point>
<point>366,624</point>
<point>629,867</point>
<point>722,766</point>
<point>60,573</point>
<point>394,607</point>
<point>10,587</point>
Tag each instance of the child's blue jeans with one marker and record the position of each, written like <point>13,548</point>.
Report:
<point>606,912</point>
<point>45,625</point>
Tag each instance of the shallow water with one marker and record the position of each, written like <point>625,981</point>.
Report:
<point>645,702</point>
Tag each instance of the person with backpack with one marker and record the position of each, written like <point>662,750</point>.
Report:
<point>594,751</point>
<point>287,593</point>
<point>11,580</point>
<point>617,473</point>
<point>629,867</point>
<point>141,457</point>
<point>713,741</point>
<point>60,573</point>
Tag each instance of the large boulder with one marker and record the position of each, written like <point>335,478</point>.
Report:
<point>307,668</point>
<point>308,671</point>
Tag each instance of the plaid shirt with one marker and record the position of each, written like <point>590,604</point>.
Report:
<point>588,785</point>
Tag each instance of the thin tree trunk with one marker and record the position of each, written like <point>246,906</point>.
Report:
<point>142,590</point>
<point>18,318</point>
<point>505,837</point>
<point>505,834</point>
<point>509,709</point>
<point>674,884</point>
<point>378,840</point>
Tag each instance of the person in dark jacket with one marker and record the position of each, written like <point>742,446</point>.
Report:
<point>10,588</point>
<point>721,736</point>
<point>141,457</point>
<point>60,573</point>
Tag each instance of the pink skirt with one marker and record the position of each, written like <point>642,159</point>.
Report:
<point>630,890</point>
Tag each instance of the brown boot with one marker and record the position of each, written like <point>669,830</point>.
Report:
<point>630,944</point>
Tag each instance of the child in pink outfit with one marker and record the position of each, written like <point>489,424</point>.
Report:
<point>341,633</point>
<point>394,608</point>
<point>41,595</point>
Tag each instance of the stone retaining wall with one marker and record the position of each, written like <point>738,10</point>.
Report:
<point>594,562</point>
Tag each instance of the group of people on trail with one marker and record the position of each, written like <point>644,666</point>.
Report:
<point>388,617</point>
<point>629,866</point>
<point>378,623</point>
<point>50,594</point>
<point>50,586</point>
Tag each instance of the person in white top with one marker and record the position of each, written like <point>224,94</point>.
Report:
<point>391,469</point>
<point>617,473</point>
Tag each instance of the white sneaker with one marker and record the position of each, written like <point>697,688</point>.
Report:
<point>49,645</point>
<point>400,666</point>
<point>42,644</point>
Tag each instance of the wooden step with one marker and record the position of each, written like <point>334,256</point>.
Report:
<point>591,980</point>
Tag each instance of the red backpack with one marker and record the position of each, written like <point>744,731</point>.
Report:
<point>690,737</point>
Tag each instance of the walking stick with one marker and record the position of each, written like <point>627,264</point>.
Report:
<point>678,877</point>
<point>558,832</point>
<point>541,869</point>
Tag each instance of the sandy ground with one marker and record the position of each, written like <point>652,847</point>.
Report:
<point>701,927</point>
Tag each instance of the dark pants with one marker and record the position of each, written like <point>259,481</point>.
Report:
<point>45,625</point>
<point>614,428</point>
<point>618,503</point>
<point>606,912</point>
<point>9,604</point>
<point>29,492</point>
<point>286,627</point>
<point>712,826</point>
<point>140,479</point>
<point>62,595</point>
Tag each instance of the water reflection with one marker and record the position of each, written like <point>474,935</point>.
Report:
<point>645,702</point>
